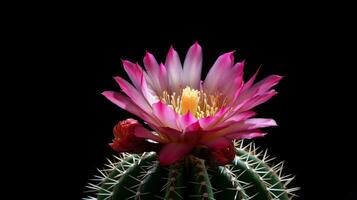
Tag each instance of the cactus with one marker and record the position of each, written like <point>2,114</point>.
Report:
<point>140,176</point>
<point>189,148</point>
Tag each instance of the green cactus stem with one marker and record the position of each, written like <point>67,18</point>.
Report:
<point>140,177</point>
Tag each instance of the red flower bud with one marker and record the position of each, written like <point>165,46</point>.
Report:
<point>125,139</point>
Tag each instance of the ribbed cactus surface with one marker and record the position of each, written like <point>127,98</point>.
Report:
<point>141,177</point>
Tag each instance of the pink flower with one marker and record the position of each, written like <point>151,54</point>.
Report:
<point>184,111</point>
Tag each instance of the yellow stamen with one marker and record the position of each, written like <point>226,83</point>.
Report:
<point>197,102</point>
<point>189,100</point>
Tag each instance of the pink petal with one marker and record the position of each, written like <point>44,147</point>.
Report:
<point>174,70</point>
<point>260,123</point>
<point>134,94</point>
<point>192,134</point>
<point>154,72</point>
<point>169,134</point>
<point>235,80</point>
<point>173,152</point>
<point>260,87</point>
<point>251,80</point>
<point>250,124</point>
<point>166,114</point>
<point>206,121</point>
<point>241,116</point>
<point>134,72</point>
<point>125,103</point>
<point>267,83</point>
<point>221,68</point>
<point>257,100</point>
<point>192,66</point>
<point>246,125</point>
<point>163,77</point>
<point>148,93</point>
<point>255,95</point>
<point>245,134</point>
<point>211,121</point>
<point>194,127</point>
<point>239,97</point>
<point>136,75</point>
<point>142,132</point>
<point>186,120</point>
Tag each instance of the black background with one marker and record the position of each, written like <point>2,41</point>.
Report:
<point>77,50</point>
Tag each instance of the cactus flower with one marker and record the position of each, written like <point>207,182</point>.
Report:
<point>185,112</point>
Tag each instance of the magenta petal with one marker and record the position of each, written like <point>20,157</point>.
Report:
<point>136,75</point>
<point>192,134</point>
<point>122,101</point>
<point>174,70</point>
<point>148,93</point>
<point>170,134</point>
<point>240,117</point>
<point>267,83</point>
<point>151,65</point>
<point>125,103</point>
<point>153,70</point>
<point>245,134</point>
<point>260,123</point>
<point>192,66</point>
<point>257,100</point>
<point>249,124</point>
<point>166,114</point>
<point>260,88</point>
<point>221,68</point>
<point>236,78</point>
<point>195,127</point>
<point>142,132</point>
<point>186,120</point>
<point>250,81</point>
<point>163,77</point>
<point>134,72</point>
<point>210,121</point>
<point>173,152</point>
<point>134,94</point>
<point>206,121</point>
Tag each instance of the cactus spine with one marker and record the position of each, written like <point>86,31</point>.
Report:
<point>140,177</point>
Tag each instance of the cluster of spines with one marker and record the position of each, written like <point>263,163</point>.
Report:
<point>271,177</point>
<point>140,177</point>
<point>103,183</point>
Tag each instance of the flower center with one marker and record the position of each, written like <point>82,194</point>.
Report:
<point>189,100</point>
<point>197,102</point>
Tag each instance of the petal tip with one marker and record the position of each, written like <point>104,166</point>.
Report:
<point>278,77</point>
<point>171,50</point>
<point>147,53</point>
<point>124,61</point>
<point>106,93</point>
<point>196,45</point>
<point>117,78</point>
<point>231,54</point>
